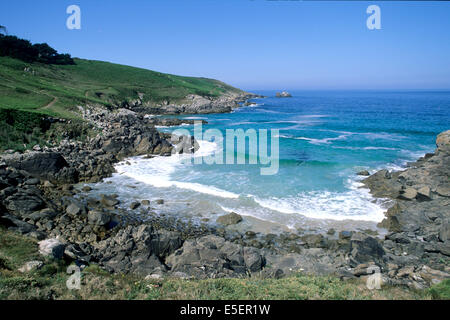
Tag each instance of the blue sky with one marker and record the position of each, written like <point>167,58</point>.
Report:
<point>253,44</point>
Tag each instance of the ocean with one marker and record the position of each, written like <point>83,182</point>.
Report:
<point>325,138</point>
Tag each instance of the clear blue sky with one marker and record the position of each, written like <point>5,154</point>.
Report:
<point>253,44</point>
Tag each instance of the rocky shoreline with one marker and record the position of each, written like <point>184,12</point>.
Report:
<point>41,197</point>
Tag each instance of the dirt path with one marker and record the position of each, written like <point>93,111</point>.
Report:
<point>48,106</point>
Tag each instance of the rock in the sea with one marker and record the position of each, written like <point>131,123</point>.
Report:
<point>134,205</point>
<point>229,219</point>
<point>364,173</point>
<point>283,94</point>
<point>52,248</point>
<point>109,201</point>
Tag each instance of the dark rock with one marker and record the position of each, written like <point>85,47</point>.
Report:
<point>229,219</point>
<point>345,235</point>
<point>98,218</point>
<point>108,201</point>
<point>135,205</point>
<point>39,164</point>
<point>444,232</point>
<point>364,248</point>
<point>75,209</point>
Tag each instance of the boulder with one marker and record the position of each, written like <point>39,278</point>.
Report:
<point>424,194</point>
<point>23,204</point>
<point>408,194</point>
<point>39,164</point>
<point>52,248</point>
<point>363,173</point>
<point>134,205</point>
<point>164,243</point>
<point>30,266</point>
<point>98,218</point>
<point>109,201</point>
<point>74,209</point>
<point>254,261</point>
<point>364,248</point>
<point>444,231</point>
<point>443,141</point>
<point>229,219</point>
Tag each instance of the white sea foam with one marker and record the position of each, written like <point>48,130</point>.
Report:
<point>157,171</point>
<point>355,204</point>
<point>316,141</point>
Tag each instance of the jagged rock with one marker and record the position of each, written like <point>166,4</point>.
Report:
<point>424,194</point>
<point>52,248</point>
<point>444,248</point>
<point>433,276</point>
<point>164,243</point>
<point>444,232</point>
<point>408,194</point>
<point>39,164</point>
<point>146,264</point>
<point>74,209</point>
<point>22,203</point>
<point>109,201</point>
<point>135,205</point>
<point>98,218</point>
<point>212,255</point>
<point>364,248</point>
<point>443,141</point>
<point>229,219</point>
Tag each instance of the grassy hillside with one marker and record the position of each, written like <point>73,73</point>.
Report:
<point>29,91</point>
<point>57,89</point>
<point>50,283</point>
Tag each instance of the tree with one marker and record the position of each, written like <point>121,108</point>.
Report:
<point>3,29</point>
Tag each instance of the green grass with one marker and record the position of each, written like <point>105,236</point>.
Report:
<point>92,82</point>
<point>57,90</point>
<point>50,283</point>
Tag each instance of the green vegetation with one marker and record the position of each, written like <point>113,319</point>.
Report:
<point>21,130</point>
<point>56,90</point>
<point>50,283</point>
<point>11,46</point>
<point>36,83</point>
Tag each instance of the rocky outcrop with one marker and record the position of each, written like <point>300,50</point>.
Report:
<point>196,104</point>
<point>418,220</point>
<point>283,94</point>
<point>229,219</point>
<point>213,257</point>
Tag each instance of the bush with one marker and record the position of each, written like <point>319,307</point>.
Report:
<point>14,47</point>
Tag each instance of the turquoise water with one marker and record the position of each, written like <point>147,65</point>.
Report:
<point>325,138</point>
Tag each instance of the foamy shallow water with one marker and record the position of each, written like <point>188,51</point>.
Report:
<point>325,139</point>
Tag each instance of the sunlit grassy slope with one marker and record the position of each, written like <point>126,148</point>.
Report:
<point>57,89</point>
